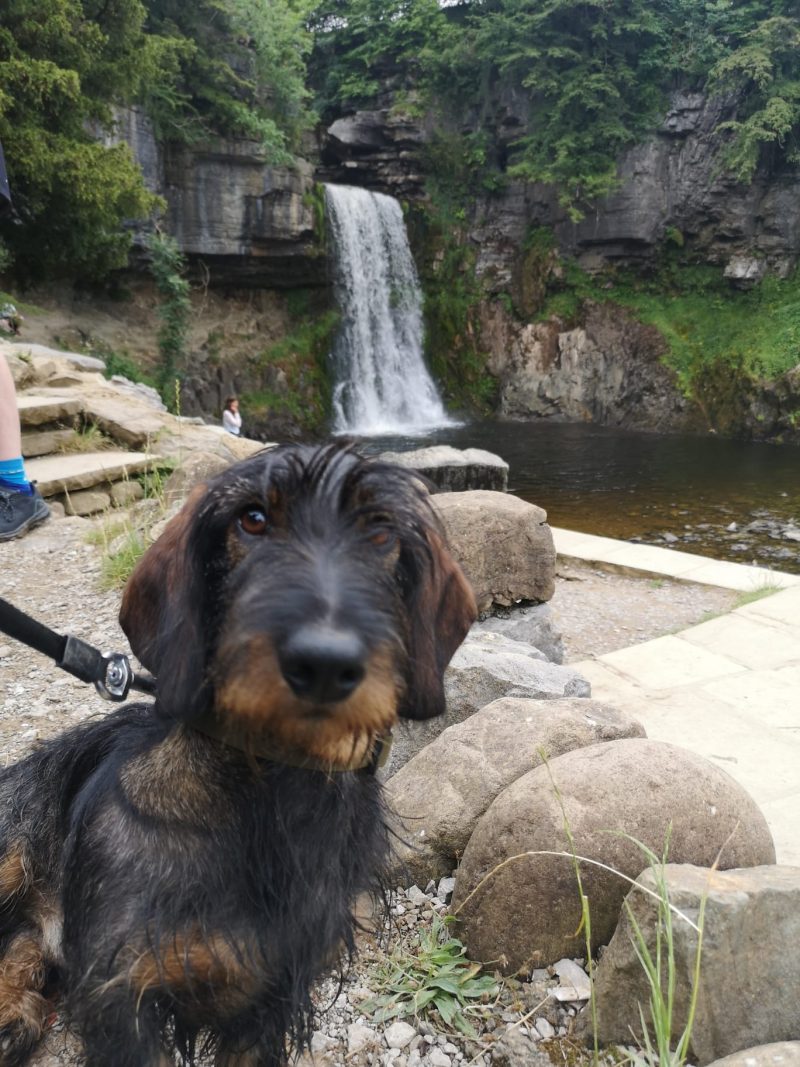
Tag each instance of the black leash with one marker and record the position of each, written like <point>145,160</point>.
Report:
<point>113,677</point>
<point>110,673</point>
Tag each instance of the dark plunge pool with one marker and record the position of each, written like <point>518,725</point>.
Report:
<point>727,499</point>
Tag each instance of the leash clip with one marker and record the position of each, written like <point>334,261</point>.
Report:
<point>118,677</point>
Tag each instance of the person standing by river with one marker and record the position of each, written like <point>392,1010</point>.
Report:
<point>231,419</point>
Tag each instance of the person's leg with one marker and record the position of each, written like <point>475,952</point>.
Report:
<point>21,506</point>
<point>10,441</point>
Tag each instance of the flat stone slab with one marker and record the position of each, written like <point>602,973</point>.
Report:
<point>43,442</point>
<point>35,351</point>
<point>38,410</point>
<point>59,474</point>
<point>126,420</point>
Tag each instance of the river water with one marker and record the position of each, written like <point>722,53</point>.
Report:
<point>649,487</point>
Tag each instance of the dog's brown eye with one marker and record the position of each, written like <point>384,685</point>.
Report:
<point>253,522</point>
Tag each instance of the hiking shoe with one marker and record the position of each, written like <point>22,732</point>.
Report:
<point>20,512</point>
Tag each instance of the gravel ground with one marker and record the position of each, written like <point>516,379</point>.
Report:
<point>54,574</point>
<point>599,611</point>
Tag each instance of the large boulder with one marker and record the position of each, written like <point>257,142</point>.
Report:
<point>503,544</point>
<point>526,912</point>
<point>749,967</point>
<point>486,667</point>
<point>441,793</point>
<point>453,469</point>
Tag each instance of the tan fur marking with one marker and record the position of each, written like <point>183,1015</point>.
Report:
<point>256,697</point>
<point>14,876</point>
<point>210,969</point>
<point>23,1009</point>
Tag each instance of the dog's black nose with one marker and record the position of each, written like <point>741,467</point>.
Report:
<point>322,664</point>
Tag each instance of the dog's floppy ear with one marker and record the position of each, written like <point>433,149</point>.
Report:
<point>441,608</point>
<point>162,611</point>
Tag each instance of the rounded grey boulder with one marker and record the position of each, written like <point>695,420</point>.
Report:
<point>519,904</point>
<point>440,794</point>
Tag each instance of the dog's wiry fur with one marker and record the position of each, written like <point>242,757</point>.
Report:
<point>180,893</point>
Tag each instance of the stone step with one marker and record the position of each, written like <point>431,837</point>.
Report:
<point>41,410</point>
<point>125,419</point>
<point>45,442</point>
<point>82,470</point>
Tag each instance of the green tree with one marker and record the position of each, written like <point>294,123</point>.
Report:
<point>764,71</point>
<point>63,63</point>
<point>237,69</point>
<point>361,43</point>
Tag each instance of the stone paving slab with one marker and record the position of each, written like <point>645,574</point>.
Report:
<point>669,662</point>
<point>125,419</point>
<point>728,689</point>
<point>753,642</point>
<point>81,470</point>
<point>762,758</point>
<point>783,608</point>
<point>654,561</point>
<point>769,696</point>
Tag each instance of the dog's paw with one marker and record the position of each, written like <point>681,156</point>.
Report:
<point>19,1036</point>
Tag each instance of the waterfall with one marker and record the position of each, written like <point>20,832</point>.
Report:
<point>381,382</point>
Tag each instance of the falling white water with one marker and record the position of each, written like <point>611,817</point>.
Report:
<point>382,385</point>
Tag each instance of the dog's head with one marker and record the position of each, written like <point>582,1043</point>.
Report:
<point>304,594</point>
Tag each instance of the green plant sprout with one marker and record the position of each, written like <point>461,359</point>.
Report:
<point>437,977</point>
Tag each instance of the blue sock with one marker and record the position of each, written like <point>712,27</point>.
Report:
<point>12,476</point>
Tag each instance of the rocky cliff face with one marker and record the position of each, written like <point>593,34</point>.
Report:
<point>252,224</point>
<point>609,371</point>
<point>671,185</point>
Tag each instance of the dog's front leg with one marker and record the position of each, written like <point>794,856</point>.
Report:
<point>117,1032</point>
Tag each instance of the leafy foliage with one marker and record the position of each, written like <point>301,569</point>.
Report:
<point>718,339</point>
<point>63,63</point>
<point>359,42</point>
<point>231,67</point>
<point>438,977</point>
<point>167,267</point>
<point>595,74</point>
<point>765,72</point>
<point>211,67</point>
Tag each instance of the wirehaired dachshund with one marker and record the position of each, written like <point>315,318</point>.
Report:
<point>179,874</point>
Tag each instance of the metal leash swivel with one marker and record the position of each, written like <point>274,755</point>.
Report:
<point>109,672</point>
